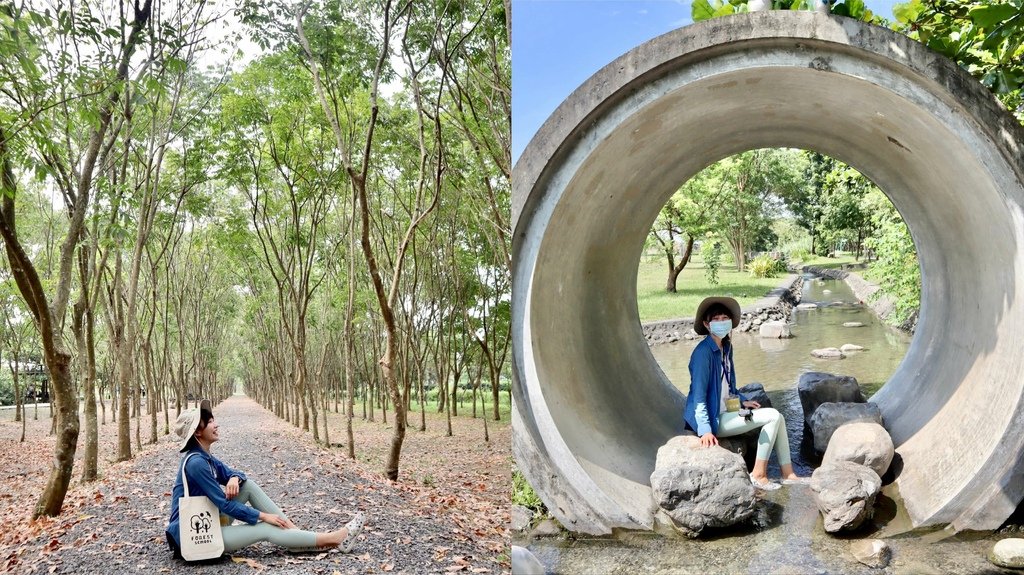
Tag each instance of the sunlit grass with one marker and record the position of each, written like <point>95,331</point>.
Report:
<point>655,303</point>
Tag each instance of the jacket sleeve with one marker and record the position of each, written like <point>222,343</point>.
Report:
<point>225,473</point>
<point>200,476</point>
<point>700,375</point>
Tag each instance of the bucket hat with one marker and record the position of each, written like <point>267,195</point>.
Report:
<point>728,302</point>
<point>188,422</point>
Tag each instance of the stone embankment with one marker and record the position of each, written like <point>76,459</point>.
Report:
<point>776,306</point>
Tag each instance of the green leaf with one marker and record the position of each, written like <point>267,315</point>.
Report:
<point>908,11</point>
<point>985,16</point>
<point>701,10</point>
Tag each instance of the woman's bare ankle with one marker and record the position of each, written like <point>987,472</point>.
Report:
<point>332,539</point>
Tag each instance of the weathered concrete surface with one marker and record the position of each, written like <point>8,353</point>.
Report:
<point>591,405</point>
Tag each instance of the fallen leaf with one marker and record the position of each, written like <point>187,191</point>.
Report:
<point>387,566</point>
<point>250,562</point>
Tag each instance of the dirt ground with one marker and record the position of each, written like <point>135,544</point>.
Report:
<point>448,512</point>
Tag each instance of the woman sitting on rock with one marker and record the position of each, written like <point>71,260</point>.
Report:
<point>230,490</point>
<point>713,380</point>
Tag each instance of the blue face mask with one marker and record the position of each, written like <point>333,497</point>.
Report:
<point>720,328</point>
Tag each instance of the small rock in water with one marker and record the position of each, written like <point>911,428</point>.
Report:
<point>853,324</point>
<point>872,552</point>
<point>850,347</point>
<point>1008,553</point>
<point>775,330</point>
<point>807,306</point>
<point>525,563</point>
<point>521,517</point>
<point>547,528</point>
<point>826,291</point>
<point>828,353</point>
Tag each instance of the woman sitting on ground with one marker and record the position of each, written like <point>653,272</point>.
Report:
<point>713,380</point>
<point>264,520</point>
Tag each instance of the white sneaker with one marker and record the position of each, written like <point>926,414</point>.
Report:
<point>769,486</point>
<point>354,528</point>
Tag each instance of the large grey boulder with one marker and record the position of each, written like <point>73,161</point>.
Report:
<point>525,563</point>
<point>775,330</point>
<point>1008,553</point>
<point>845,494</point>
<point>755,392</point>
<point>829,416</point>
<point>863,442</point>
<point>816,388</point>
<point>700,487</point>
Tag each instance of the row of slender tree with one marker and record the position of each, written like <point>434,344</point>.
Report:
<point>326,221</point>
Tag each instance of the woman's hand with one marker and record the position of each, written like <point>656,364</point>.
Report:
<point>276,520</point>
<point>708,439</point>
<point>751,404</point>
<point>231,489</point>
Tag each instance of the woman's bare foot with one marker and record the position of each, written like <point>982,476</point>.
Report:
<point>332,539</point>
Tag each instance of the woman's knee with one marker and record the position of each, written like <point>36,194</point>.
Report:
<point>771,414</point>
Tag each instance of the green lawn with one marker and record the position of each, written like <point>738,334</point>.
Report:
<point>655,303</point>
<point>841,259</point>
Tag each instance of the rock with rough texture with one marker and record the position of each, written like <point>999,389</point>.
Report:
<point>525,563</point>
<point>816,388</point>
<point>845,494</point>
<point>827,353</point>
<point>755,392</point>
<point>1008,553</point>
<point>848,347</point>
<point>546,528</point>
<point>775,330</point>
<point>700,487</point>
<point>853,324</point>
<point>874,553</point>
<point>829,416</point>
<point>863,442</point>
<point>521,517</point>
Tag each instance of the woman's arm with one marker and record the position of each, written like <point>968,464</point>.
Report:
<point>202,478</point>
<point>700,375</point>
<point>225,473</point>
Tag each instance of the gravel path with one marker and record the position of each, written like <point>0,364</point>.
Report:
<point>122,528</point>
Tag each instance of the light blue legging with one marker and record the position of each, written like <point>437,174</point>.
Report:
<point>238,536</point>
<point>771,423</point>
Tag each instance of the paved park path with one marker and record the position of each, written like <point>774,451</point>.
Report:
<point>121,528</point>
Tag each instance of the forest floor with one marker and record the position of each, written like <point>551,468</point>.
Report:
<point>448,512</point>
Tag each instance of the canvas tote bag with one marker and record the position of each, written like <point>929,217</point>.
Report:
<point>198,525</point>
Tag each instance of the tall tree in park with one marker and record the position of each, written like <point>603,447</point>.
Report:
<point>42,82</point>
<point>285,164</point>
<point>754,183</point>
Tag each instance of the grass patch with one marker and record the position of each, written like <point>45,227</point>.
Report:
<point>655,303</point>
<point>841,259</point>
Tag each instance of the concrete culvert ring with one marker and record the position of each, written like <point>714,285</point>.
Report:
<point>591,406</point>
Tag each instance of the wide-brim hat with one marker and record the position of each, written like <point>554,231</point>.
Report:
<point>732,305</point>
<point>188,422</point>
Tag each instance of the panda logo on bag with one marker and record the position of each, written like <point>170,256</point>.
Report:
<point>200,522</point>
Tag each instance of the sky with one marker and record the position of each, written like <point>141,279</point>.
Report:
<point>558,44</point>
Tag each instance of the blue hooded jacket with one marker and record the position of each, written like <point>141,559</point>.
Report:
<point>205,474</point>
<point>705,397</point>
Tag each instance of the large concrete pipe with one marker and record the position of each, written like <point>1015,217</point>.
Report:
<point>592,406</point>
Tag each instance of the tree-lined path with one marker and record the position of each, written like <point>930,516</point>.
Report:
<point>116,525</point>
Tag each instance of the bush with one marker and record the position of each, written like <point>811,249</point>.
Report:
<point>765,266</point>
<point>711,253</point>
